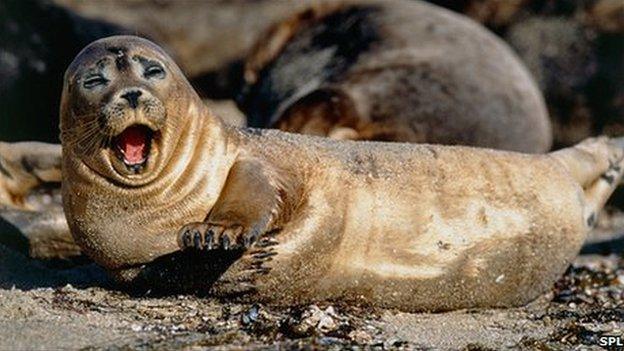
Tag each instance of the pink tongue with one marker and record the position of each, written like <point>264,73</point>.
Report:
<point>133,142</point>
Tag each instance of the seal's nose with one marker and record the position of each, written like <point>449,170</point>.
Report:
<point>132,97</point>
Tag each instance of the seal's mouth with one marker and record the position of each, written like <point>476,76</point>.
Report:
<point>133,146</point>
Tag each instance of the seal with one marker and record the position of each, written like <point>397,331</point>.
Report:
<point>393,71</point>
<point>149,173</point>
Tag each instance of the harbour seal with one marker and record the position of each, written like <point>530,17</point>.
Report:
<point>393,71</point>
<point>150,173</point>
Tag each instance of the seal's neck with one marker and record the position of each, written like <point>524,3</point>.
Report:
<point>122,226</point>
<point>198,163</point>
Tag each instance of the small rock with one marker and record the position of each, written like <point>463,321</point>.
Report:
<point>251,316</point>
<point>323,320</point>
<point>394,343</point>
<point>313,321</point>
<point>360,337</point>
<point>326,323</point>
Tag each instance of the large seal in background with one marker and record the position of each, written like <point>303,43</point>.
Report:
<point>393,71</point>
<point>149,174</point>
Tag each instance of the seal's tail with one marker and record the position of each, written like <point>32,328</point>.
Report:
<point>598,165</point>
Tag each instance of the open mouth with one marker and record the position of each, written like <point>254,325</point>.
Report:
<point>132,147</point>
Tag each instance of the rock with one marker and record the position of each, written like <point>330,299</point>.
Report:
<point>44,234</point>
<point>360,337</point>
<point>311,321</point>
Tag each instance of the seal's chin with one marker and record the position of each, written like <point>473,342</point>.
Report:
<point>134,149</point>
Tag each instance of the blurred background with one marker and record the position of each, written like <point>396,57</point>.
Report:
<point>573,48</point>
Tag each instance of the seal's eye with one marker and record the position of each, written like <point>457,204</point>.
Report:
<point>94,81</point>
<point>154,71</point>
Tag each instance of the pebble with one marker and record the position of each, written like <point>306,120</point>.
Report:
<point>360,337</point>
<point>323,320</point>
<point>251,315</point>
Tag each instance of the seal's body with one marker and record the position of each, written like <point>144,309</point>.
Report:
<point>416,227</point>
<point>290,219</point>
<point>393,71</point>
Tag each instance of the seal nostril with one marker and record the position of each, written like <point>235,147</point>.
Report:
<point>132,97</point>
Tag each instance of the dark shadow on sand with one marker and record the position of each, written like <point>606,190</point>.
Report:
<point>188,272</point>
<point>604,248</point>
<point>19,271</point>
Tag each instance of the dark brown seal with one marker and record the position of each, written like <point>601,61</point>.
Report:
<point>393,71</point>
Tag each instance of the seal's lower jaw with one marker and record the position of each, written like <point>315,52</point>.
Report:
<point>134,150</point>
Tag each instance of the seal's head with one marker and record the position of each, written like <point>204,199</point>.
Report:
<point>117,98</point>
<point>142,155</point>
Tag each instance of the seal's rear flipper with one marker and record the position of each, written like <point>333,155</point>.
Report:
<point>326,111</point>
<point>24,166</point>
<point>597,164</point>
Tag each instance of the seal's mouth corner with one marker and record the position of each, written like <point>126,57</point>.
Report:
<point>133,146</point>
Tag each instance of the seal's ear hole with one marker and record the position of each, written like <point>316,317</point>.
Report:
<point>325,112</point>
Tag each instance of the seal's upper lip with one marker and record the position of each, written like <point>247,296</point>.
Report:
<point>132,146</point>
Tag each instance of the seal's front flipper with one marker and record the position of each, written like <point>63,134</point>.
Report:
<point>251,204</point>
<point>213,236</point>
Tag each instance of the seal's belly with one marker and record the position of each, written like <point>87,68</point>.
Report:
<point>422,252</point>
<point>419,238</point>
<point>426,241</point>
